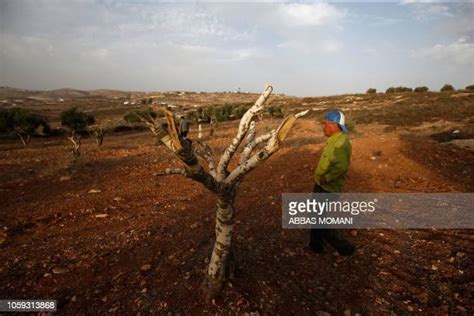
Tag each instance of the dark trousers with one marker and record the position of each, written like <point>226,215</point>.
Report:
<point>331,236</point>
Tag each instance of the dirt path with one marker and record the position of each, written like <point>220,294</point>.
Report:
<point>90,251</point>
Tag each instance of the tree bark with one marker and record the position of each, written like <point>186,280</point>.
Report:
<point>76,141</point>
<point>216,271</point>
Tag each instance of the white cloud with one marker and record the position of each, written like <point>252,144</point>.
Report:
<point>460,52</point>
<point>331,46</point>
<point>317,14</point>
<point>426,10</point>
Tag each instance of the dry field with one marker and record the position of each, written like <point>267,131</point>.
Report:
<point>106,236</point>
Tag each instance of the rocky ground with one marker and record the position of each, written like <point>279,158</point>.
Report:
<point>106,236</point>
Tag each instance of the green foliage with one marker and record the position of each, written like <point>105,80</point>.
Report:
<point>209,112</point>
<point>199,112</point>
<point>403,89</point>
<point>275,111</point>
<point>218,113</point>
<point>226,112</point>
<point>134,116</point>
<point>21,121</point>
<point>471,87</point>
<point>192,115</point>
<point>371,90</point>
<point>447,88</point>
<point>4,120</point>
<point>421,89</point>
<point>398,89</point>
<point>239,111</point>
<point>76,120</point>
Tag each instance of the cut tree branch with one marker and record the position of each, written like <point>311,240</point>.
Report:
<point>243,128</point>
<point>249,145</point>
<point>207,155</point>
<point>273,144</point>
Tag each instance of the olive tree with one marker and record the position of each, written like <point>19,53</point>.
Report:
<point>447,88</point>
<point>77,122</point>
<point>217,177</point>
<point>22,123</point>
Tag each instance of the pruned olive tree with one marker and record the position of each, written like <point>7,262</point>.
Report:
<point>77,122</point>
<point>218,178</point>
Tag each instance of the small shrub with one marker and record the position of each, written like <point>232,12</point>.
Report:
<point>403,89</point>
<point>240,111</point>
<point>470,88</point>
<point>447,88</point>
<point>226,112</point>
<point>371,90</point>
<point>192,115</point>
<point>209,112</point>
<point>275,111</point>
<point>218,114</point>
<point>200,112</point>
<point>421,89</point>
<point>390,90</point>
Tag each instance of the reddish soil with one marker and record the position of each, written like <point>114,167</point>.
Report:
<point>90,250</point>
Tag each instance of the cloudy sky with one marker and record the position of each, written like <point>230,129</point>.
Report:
<point>302,48</point>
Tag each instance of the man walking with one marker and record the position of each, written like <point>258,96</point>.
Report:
<point>329,177</point>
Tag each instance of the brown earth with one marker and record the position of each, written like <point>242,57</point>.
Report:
<point>140,244</point>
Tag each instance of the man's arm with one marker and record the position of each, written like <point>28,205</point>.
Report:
<point>339,165</point>
<point>322,168</point>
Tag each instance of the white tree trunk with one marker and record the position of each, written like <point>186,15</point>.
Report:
<point>200,131</point>
<point>216,271</point>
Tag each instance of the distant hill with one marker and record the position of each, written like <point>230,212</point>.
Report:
<point>65,93</point>
<point>8,92</point>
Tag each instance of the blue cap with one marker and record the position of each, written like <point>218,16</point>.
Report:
<point>338,118</point>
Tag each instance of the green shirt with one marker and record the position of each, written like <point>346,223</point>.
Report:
<point>334,163</point>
